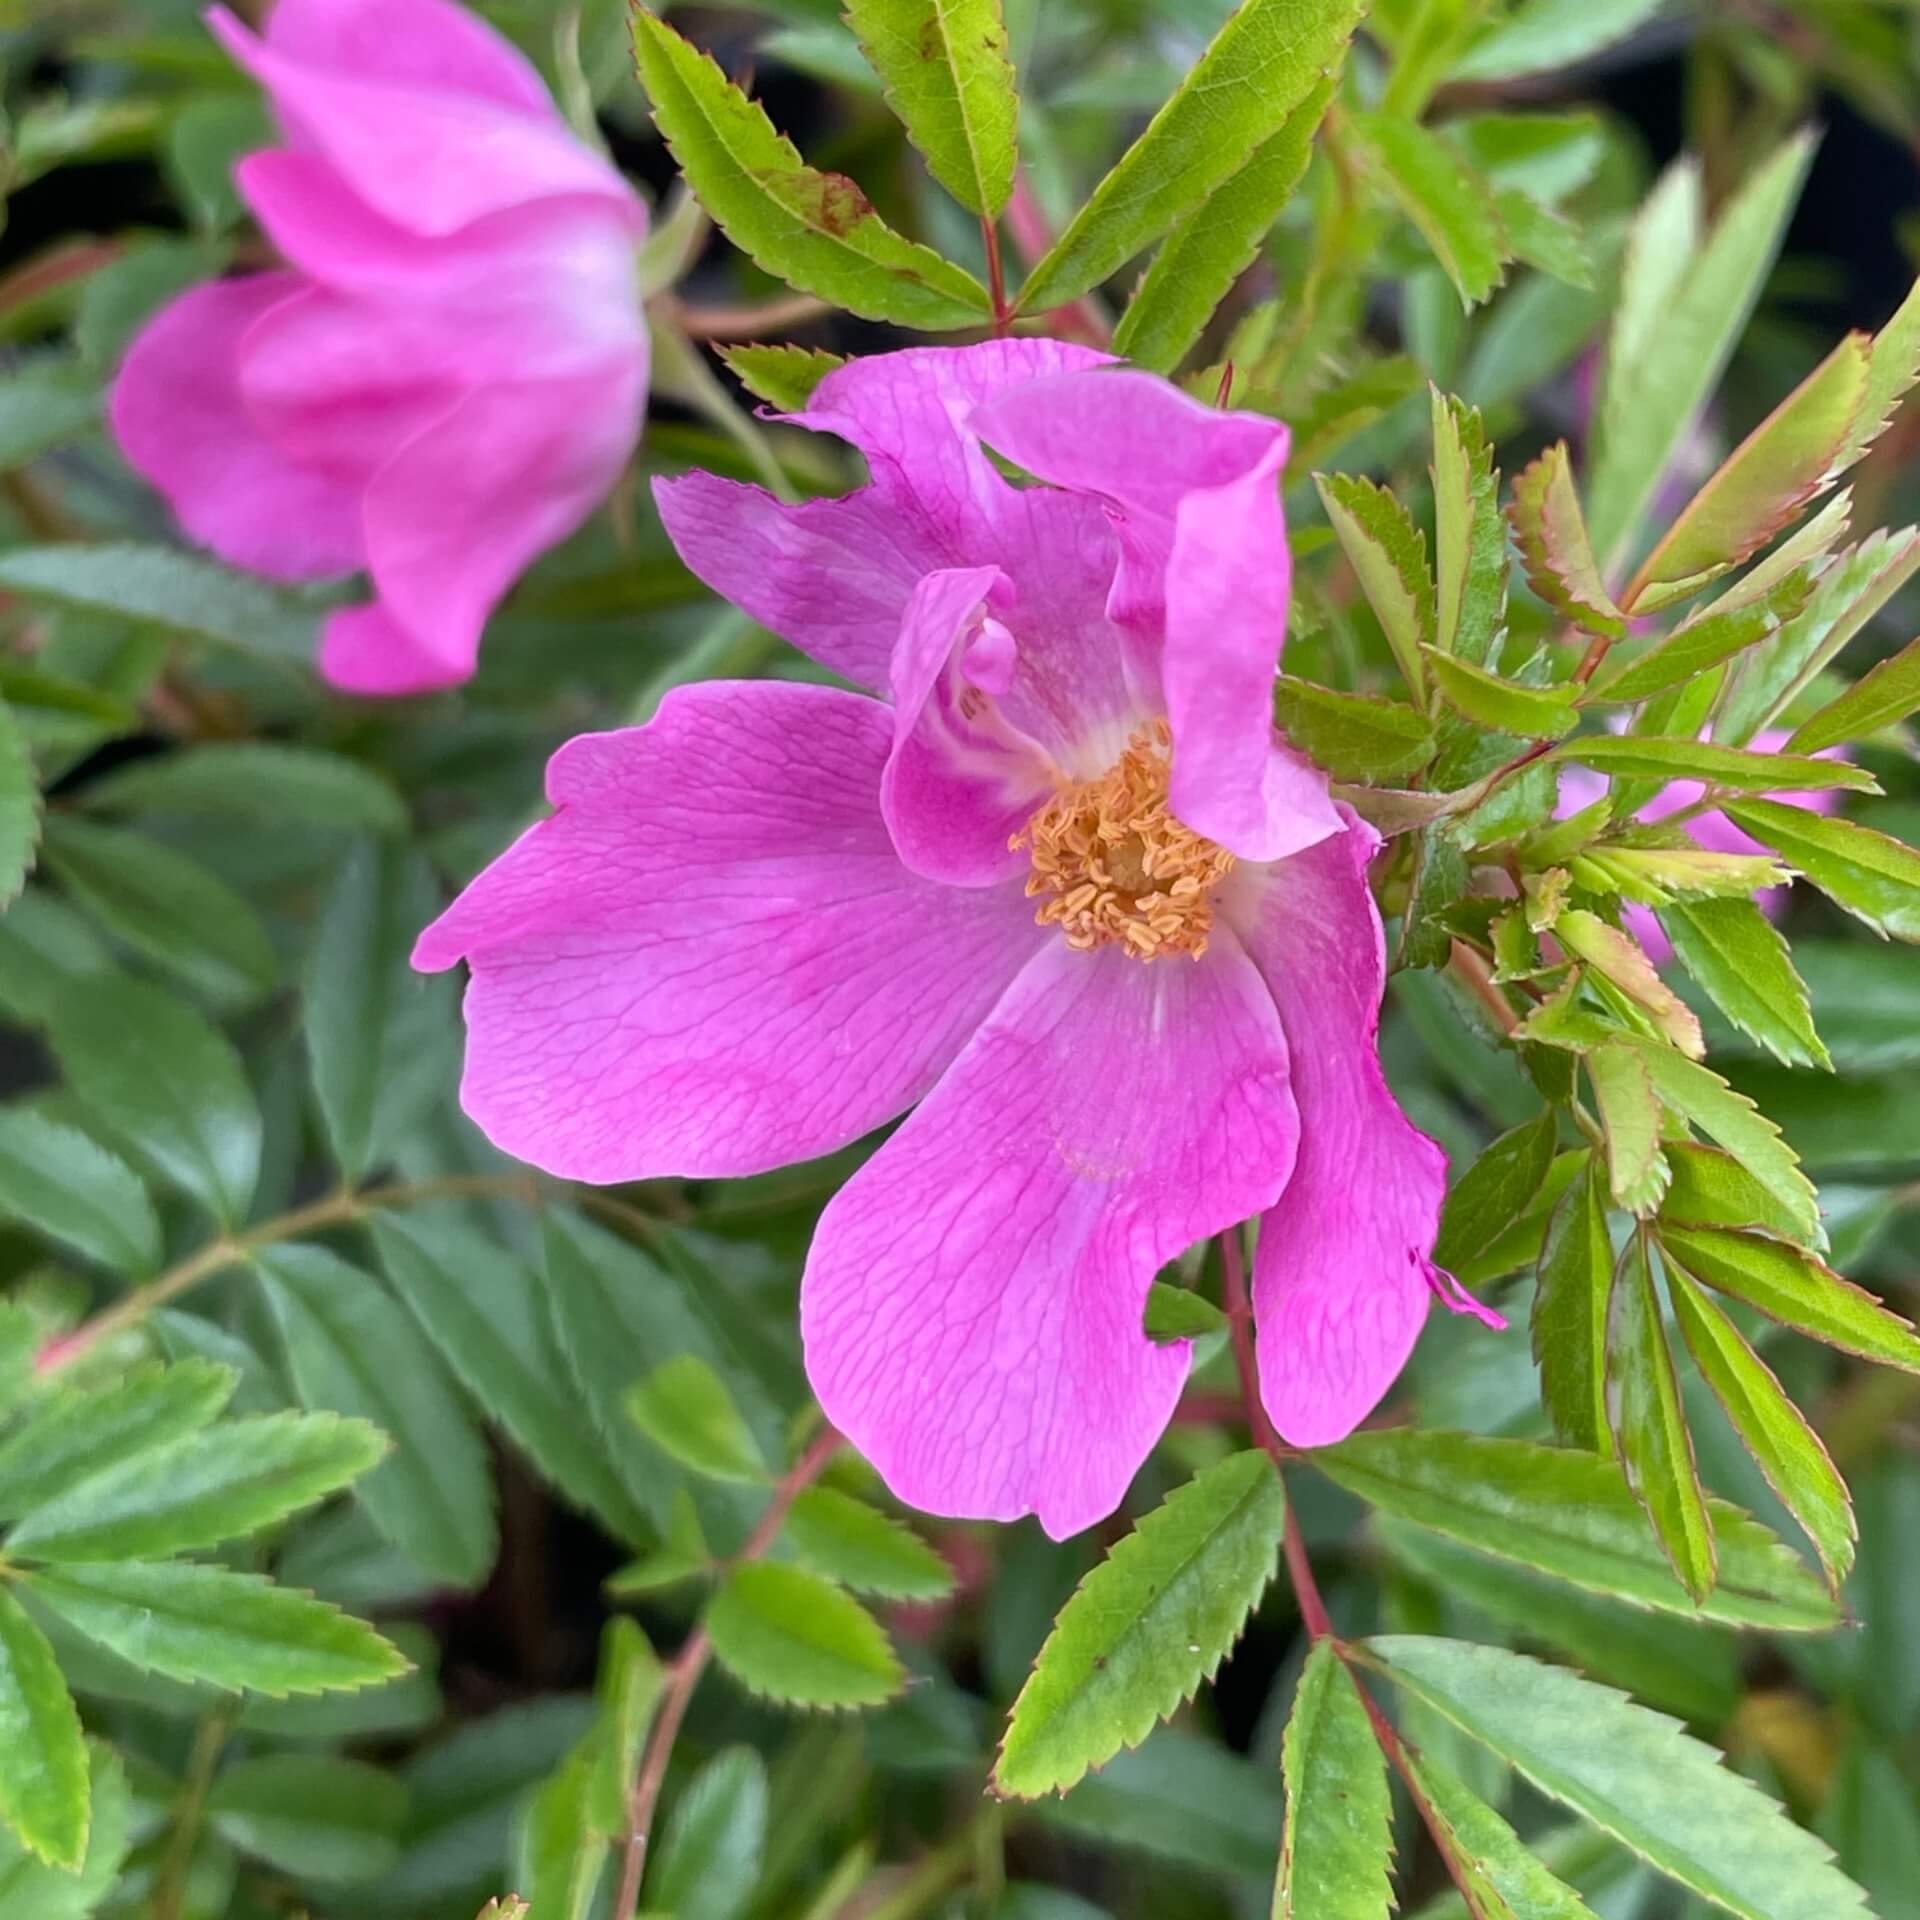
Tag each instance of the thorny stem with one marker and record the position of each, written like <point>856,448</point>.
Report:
<point>996,277</point>
<point>676,1693</point>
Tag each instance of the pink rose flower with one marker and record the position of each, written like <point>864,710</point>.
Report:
<point>451,372</point>
<point>1059,889</point>
<point>1713,831</point>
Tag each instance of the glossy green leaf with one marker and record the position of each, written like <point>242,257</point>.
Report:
<point>1570,1307</point>
<point>1469,535</point>
<point>167,1085</point>
<point>817,231</point>
<point>1450,205</point>
<point>1771,1428</point>
<point>1336,1849</point>
<point>713,1841</point>
<point>948,77</point>
<point>1711,1188</point>
<point>232,1630</point>
<point>1354,736</point>
<point>1704,642</point>
<point>1493,1193</point>
<point>256,781</point>
<point>1520,1244</point>
<point>1876,878</point>
<point>1888,692</point>
<point>684,1408</point>
<point>1266,60</point>
<point>790,1636</point>
<point>316,1816</point>
<point>1632,1772</point>
<point>67,1185</point>
<point>1660,759</point>
<point>1388,555</point>
<point>1554,546</point>
<point>351,1349</point>
<point>1146,1626</point>
<point>409,1704</point>
<point>1636,1168</point>
<point>783,376</point>
<point>1738,958</point>
<point>1503,706</point>
<point>866,1550</point>
<point>43,1785</point>
<point>1572,1515</point>
<point>30,1889</point>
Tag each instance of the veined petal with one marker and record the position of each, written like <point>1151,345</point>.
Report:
<point>972,1304</point>
<point>710,961</point>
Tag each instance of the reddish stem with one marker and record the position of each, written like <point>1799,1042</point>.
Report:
<point>996,277</point>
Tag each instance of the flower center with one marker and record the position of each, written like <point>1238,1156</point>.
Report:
<point>1114,865</point>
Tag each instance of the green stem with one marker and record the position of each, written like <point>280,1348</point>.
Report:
<point>208,1745</point>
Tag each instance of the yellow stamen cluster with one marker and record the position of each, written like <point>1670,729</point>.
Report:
<point>1114,865</point>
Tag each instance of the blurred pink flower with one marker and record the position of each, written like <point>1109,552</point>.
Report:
<point>451,372</point>
<point>781,915</point>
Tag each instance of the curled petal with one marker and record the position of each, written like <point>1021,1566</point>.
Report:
<point>972,1304</point>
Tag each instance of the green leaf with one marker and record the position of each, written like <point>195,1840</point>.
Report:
<point>948,77</point>
<point>783,376</point>
<point>559,1854</point>
<point>1656,386</point>
<point>232,1630</point>
<point>1572,1515</point>
<point>1336,1849</point>
<point>58,1179</point>
<point>1704,642</point>
<point>409,1704</point>
<point>485,1310</point>
<point>1261,66</point>
<point>381,1039</point>
<point>1790,1285</point>
<point>1554,547</point>
<point>1771,1428</point>
<point>1632,1772</point>
<point>316,1816</point>
<point>1450,205</point>
<point>817,231</point>
<point>351,1350</point>
<point>1876,878</point>
<point>790,1636</point>
<point>1520,1244</point>
<point>1636,1168</point>
<point>32,1890</point>
<point>1146,1626</point>
<point>201,1489</point>
<point>1539,36</point>
<point>871,1552</point>
<point>254,781</point>
<point>76,1432</point>
<point>20,822</point>
<point>1388,555</point>
<point>165,906</point>
<point>1570,1309</point>
<point>627,1690</point>
<point>1617,959</point>
<point>1179,1313</point>
<point>1469,534</point>
<point>1506,1881</point>
<point>1496,1190</point>
<point>1699,1095</point>
<point>1887,693</point>
<point>1503,706</point>
<point>1768,478</point>
<point>168,1086</point>
<point>1658,759</point>
<point>1543,238</point>
<point>1649,1425</point>
<point>42,405</point>
<point>684,1408</point>
<point>1892,367</point>
<point>1212,246</point>
<point>43,1786</point>
<point>163,587</point>
<point>1348,405</point>
<point>1440,877</point>
<point>683,1554</point>
<point>1738,957</point>
<point>713,1842</point>
<point>1353,736</point>
<point>1712,1189</point>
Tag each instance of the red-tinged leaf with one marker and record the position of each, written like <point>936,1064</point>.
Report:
<point>1546,519</point>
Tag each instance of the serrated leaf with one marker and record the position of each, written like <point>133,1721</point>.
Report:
<point>788,1635</point>
<point>166,1084</point>
<point>1450,205</point>
<point>1554,547</point>
<point>1655,386</point>
<point>1636,1168</point>
<point>163,587</point>
<point>1570,1309</point>
<point>870,1552</point>
<point>1892,367</point>
<point>1876,878</point>
<point>1632,1772</point>
<point>1521,1243</point>
<point>683,1554</point>
<point>1618,957</point>
<point>947,75</point>
<point>1539,36</point>
<point>1146,1626</point>
<point>1704,642</point>
<point>1503,706</point>
<point>1572,1515</point>
<point>1543,238</point>
<point>1349,405</point>
<point>231,1630</point>
<point>684,1408</point>
<point>253,780</point>
<point>1738,958</point>
<point>76,1432</point>
<point>64,1183</point>
<point>626,1690</point>
<point>351,1350</point>
<point>1710,1188</point>
<point>314,1815</point>
<point>43,1785</point>
<point>485,1310</point>
<point>1496,1190</point>
<point>1649,1425</point>
<point>783,376</point>
<point>217,1484</point>
<point>1642,757</point>
<point>817,231</point>
<point>1262,64</point>
<point>1766,480</point>
<point>1699,1095</point>
<point>32,1890</point>
<point>1353,736</point>
<point>1388,555</point>
<point>713,1841</point>
<point>1771,1428</point>
<point>1469,534</point>
<point>1211,247</point>
<point>1791,1285</point>
<point>1439,879</point>
<point>1888,692</point>
<point>411,1703</point>
<point>1336,1849</point>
